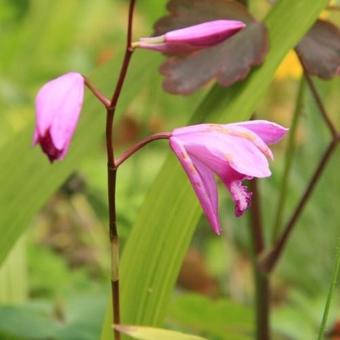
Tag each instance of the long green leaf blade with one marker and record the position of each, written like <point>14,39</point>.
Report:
<point>168,217</point>
<point>330,293</point>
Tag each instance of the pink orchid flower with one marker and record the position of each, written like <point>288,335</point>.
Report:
<point>193,37</point>
<point>58,105</point>
<point>234,152</point>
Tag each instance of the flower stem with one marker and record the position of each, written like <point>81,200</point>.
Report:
<point>318,100</point>
<point>127,154</point>
<point>105,101</point>
<point>262,281</point>
<point>112,174</point>
<point>269,260</point>
<point>290,151</point>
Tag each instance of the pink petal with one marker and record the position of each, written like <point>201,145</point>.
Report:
<point>188,39</point>
<point>205,34</point>
<point>269,132</point>
<point>240,131</point>
<point>58,105</point>
<point>202,180</point>
<point>216,148</point>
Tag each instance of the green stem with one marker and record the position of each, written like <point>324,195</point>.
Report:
<point>289,156</point>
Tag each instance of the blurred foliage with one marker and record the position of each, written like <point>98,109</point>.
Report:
<point>54,282</point>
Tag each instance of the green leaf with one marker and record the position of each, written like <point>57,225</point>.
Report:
<point>149,333</point>
<point>26,322</point>
<point>168,217</point>
<point>217,318</point>
<point>330,293</point>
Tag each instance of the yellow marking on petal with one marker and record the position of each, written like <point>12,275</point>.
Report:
<point>219,128</point>
<point>184,155</point>
<point>228,157</point>
<point>192,168</point>
<point>252,138</point>
<point>244,134</point>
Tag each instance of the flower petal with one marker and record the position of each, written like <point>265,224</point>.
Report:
<point>191,38</point>
<point>202,180</point>
<point>58,105</point>
<point>269,132</point>
<point>216,148</point>
<point>66,118</point>
<point>205,34</point>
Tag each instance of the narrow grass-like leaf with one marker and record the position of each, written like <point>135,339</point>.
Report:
<point>168,217</point>
<point>150,333</point>
<point>330,293</point>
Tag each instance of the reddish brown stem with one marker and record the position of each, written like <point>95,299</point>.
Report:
<point>118,89</point>
<point>112,172</point>
<point>269,261</point>
<point>127,154</point>
<point>256,218</point>
<point>318,100</point>
<point>262,283</point>
<point>105,101</point>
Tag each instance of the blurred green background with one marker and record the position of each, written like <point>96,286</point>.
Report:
<point>54,282</point>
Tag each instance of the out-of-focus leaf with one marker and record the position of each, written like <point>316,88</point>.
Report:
<point>218,318</point>
<point>227,62</point>
<point>38,321</point>
<point>26,322</point>
<point>84,317</point>
<point>320,50</point>
<point>150,333</point>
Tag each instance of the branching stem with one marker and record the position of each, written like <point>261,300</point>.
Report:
<point>127,154</point>
<point>104,100</point>
<point>269,261</point>
<point>318,100</point>
<point>112,173</point>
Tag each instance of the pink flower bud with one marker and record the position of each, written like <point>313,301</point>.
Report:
<point>193,37</point>
<point>233,152</point>
<point>58,105</point>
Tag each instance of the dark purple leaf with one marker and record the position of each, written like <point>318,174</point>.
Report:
<point>226,62</point>
<point>183,13</point>
<point>319,50</point>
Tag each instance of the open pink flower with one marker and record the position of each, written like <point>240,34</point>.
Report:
<point>193,37</point>
<point>234,152</point>
<point>58,105</point>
